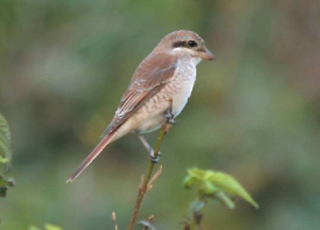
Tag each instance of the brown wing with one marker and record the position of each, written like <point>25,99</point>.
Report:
<point>151,75</point>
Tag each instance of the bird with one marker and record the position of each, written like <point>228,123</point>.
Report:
<point>159,89</point>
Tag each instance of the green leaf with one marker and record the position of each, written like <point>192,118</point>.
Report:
<point>46,227</point>
<point>230,185</point>
<point>189,181</point>
<point>197,173</point>
<point>5,142</point>
<point>52,227</point>
<point>216,185</point>
<point>207,189</point>
<point>225,200</point>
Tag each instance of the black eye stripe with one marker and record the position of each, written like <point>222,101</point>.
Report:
<point>187,44</point>
<point>180,44</point>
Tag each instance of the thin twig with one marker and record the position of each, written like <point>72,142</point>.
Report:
<point>144,186</point>
<point>154,178</point>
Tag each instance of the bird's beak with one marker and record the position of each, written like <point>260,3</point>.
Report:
<point>206,55</point>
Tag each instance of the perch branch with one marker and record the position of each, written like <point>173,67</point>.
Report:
<point>146,179</point>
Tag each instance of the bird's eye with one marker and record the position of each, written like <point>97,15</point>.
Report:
<point>192,43</point>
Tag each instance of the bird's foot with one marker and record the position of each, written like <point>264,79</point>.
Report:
<point>170,117</point>
<point>154,159</point>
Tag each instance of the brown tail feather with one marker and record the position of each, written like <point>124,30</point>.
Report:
<point>95,152</point>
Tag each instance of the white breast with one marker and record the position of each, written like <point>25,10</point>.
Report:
<point>183,83</point>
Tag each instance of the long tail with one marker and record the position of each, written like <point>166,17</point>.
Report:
<point>95,152</point>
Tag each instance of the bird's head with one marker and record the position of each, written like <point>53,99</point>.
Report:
<point>185,43</point>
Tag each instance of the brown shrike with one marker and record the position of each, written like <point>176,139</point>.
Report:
<point>159,89</point>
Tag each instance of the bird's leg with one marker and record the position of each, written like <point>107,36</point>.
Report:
<point>169,114</point>
<point>145,143</point>
<point>149,149</point>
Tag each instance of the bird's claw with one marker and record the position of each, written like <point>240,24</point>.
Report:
<point>170,117</point>
<point>172,121</point>
<point>154,159</point>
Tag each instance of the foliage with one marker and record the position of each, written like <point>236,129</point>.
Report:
<point>5,155</point>
<point>46,227</point>
<point>5,140</point>
<point>212,185</point>
<point>218,185</point>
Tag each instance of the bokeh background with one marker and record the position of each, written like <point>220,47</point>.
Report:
<point>254,112</point>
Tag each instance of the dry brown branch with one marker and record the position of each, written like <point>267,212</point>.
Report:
<point>146,182</point>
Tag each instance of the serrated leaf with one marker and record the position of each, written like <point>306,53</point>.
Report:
<point>5,141</point>
<point>230,185</point>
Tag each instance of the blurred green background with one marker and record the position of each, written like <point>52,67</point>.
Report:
<point>254,112</point>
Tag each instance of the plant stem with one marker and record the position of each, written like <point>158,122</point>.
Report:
<point>144,186</point>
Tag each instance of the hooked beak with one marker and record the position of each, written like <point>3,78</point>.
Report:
<point>206,55</point>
